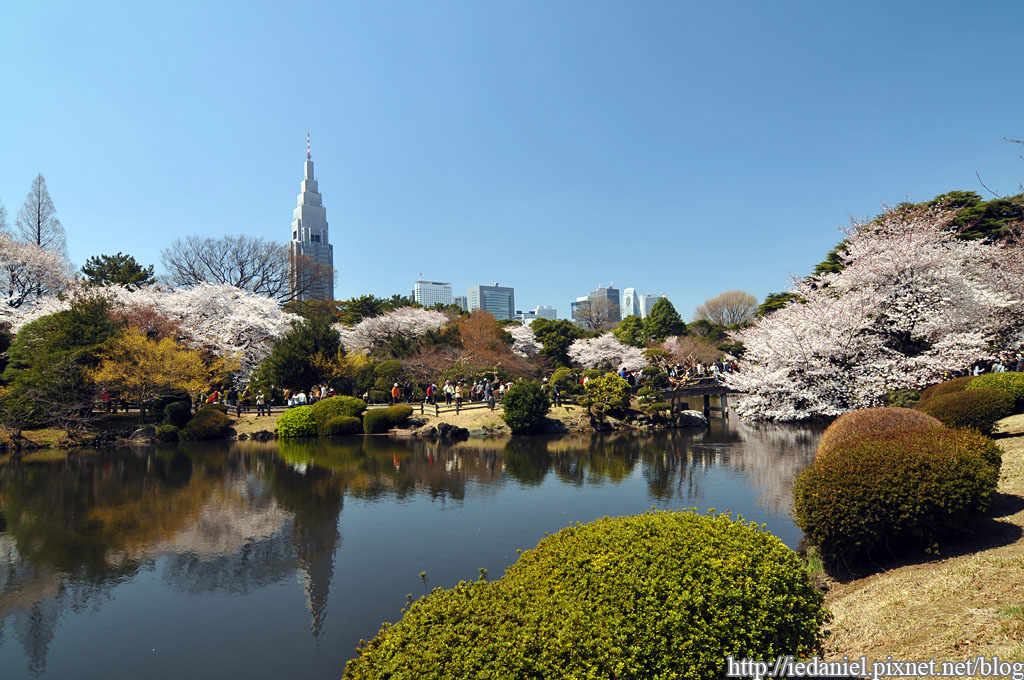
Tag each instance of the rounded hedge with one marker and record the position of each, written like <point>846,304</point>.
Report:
<point>380,420</point>
<point>178,413</point>
<point>1010,381</point>
<point>525,406</point>
<point>167,433</point>
<point>666,595</point>
<point>341,425</point>
<point>891,487</point>
<point>332,407</point>
<point>947,387</point>
<point>208,423</point>
<point>297,422</point>
<point>979,409</point>
<point>869,422</point>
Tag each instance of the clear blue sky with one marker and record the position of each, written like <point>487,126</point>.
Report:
<point>684,148</point>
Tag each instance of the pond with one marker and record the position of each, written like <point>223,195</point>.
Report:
<point>269,560</point>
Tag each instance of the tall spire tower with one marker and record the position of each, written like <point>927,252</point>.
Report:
<point>310,254</point>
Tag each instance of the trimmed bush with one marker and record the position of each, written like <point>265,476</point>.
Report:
<point>208,423</point>
<point>177,413</point>
<point>567,380</point>
<point>979,409</point>
<point>661,595</point>
<point>380,420</point>
<point>903,398</point>
<point>525,407</point>
<point>610,393</point>
<point>892,487</point>
<point>332,407</point>
<point>167,433</point>
<point>948,387</point>
<point>1011,382</point>
<point>870,422</point>
<point>380,396</point>
<point>341,425</point>
<point>297,422</point>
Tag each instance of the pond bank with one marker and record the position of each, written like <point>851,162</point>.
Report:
<point>968,601</point>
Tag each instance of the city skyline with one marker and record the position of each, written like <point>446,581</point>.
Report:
<point>688,147</point>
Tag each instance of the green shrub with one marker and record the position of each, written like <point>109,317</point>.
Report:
<point>332,407</point>
<point>380,396</point>
<point>903,398</point>
<point>1011,382</point>
<point>947,387</point>
<point>525,407</point>
<point>870,422</point>
<point>610,393</point>
<point>567,380</point>
<point>892,487</point>
<point>661,595</point>
<point>167,433</point>
<point>208,423</point>
<point>379,420</point>
<point>592,373</point>
<point>177,413</point>
<point>297,422</point>
<point>979,409</point>
<point>341,425</point>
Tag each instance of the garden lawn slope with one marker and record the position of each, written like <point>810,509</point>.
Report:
<point>952,608</point>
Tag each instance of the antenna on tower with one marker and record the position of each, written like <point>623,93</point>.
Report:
<point>307,147</point>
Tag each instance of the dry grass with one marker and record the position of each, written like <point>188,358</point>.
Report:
<point>950,608</point>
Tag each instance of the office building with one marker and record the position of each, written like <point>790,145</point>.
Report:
<point>646,303</point>
<point>462,301</point>
<point>498,300</point>
<point>630,303</point>
<point>604,305</point>
<point>309,242</point>
<point>545,312</point>
<point>430,293</point>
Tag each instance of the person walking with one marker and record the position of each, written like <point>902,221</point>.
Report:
<point>261,405</point>
<point>556,395</point>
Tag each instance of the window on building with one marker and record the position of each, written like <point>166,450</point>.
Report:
<point>315,238</point>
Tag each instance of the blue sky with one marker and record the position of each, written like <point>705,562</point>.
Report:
<point>681,148</point>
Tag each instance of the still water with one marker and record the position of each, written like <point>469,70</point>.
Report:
<point>270,560</point>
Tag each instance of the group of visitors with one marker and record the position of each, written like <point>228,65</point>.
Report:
<point>1000,363</point>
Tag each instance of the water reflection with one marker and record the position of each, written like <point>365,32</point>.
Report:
<point>236,520</point>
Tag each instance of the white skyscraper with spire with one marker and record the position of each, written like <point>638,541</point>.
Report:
<point>309,241</point>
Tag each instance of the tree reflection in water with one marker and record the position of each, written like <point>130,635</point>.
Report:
<point>234,518</point>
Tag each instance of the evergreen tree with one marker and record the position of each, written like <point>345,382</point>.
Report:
<point>118,270</point>
<point>302,356</point>
<point>631,331</point>
<point>663,321</point>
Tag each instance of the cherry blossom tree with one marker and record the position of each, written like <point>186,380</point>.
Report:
<point>377,332</point>
<point>606,351</point>
<point>523,341</point>
<point>29,272</point>
<point>912,302</point>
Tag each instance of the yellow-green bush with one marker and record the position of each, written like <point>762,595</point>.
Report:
<point>1010,381</point>
<point>869,422</point>
<point>380,420</point>
<point>890,488</point>
<point>296,422</point>
<point>662,595</point>
<point>979,408</point>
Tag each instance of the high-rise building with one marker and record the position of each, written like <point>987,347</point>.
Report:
<point>462,301</point>
<point>604,302</point>
<point>546,312</point>
<point>309,244</point>
<point>498,300</point>
<point>430,293</point>
<point>630,303</point>
<point>578,308</point>
<point>646,303</point>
